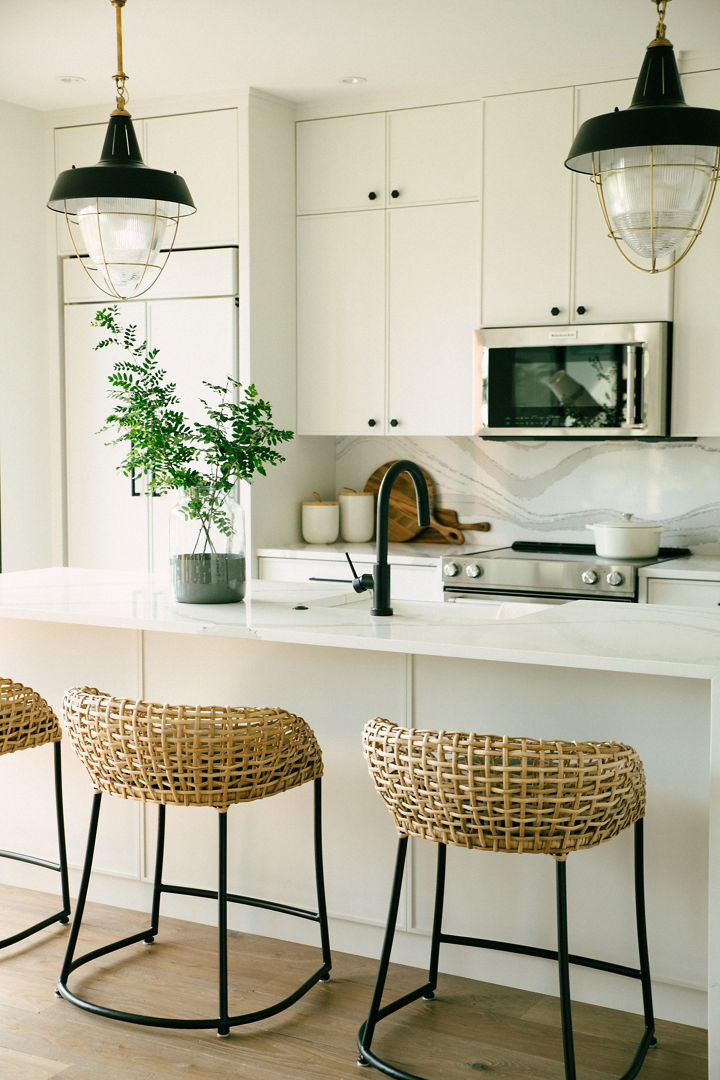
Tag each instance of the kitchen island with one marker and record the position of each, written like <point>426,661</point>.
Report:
<point>641,674</point>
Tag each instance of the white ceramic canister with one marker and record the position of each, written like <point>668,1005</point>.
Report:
<point>320,521</point>
<point>357,515</point>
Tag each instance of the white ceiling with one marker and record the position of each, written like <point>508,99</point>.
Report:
<point>300,49</point>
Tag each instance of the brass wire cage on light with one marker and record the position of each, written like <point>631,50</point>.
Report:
<point>654,165</point>
<point>122,216</point>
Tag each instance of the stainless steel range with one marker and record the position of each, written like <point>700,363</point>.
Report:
<point>548,573</point>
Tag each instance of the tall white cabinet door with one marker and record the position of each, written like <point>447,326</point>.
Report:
<point>203,148</point>
<point>341,163</point>
<point>197,339</point>
<point>435,154</point>
<point>341,324</point>
<point>107,526</point>
<point>605,285</point>
<point>434,300</point>
<point>696,332</point>
<point>526,208</point>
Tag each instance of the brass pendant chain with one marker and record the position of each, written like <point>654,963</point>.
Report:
<point>123,96</point>
<point>661,6</point>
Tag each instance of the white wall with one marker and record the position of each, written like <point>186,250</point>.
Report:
<point>25,499</point>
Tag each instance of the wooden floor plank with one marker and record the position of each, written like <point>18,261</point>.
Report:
<point>470,1028</point>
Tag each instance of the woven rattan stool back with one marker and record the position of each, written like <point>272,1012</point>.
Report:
<point>188,755</point>
<point>26,719</point>
<point>500,793</point>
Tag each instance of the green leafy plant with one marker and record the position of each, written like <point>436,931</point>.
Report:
<point>204,459</point>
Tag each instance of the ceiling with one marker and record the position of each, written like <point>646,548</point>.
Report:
<point>301,49</point>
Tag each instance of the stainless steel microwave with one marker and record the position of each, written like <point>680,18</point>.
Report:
<point>606,381</point>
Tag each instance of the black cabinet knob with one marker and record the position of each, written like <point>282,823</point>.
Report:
<point>395,193</point>
<point>372,195</point>
<point>555,311</point>
<point>371,423</point>
<point>581,310</point>
<point>394,422</point>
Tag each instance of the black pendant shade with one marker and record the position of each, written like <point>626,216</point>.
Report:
<point>120,173</point>
<point>657,115</point>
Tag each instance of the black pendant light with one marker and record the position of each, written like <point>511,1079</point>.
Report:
<point>123,214</point>
<point>655,165</point>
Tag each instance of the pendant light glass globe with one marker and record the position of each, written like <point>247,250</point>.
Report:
<point>123,239</point>
<point>655,196</point>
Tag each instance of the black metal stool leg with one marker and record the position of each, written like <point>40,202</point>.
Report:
<point>157,880</point>
<point>564,970</point>
<point>82,895</point>
<point>320,878</point>
<point>437,921</point>
<point>223,1014</point>
<point>367,1031</point>
<point>62,847</point>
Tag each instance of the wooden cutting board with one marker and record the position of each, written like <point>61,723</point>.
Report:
<point>449,517</point>
<point>402,508</point>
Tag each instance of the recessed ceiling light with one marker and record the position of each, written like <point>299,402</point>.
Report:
<point>353,80</point>
<point>70,78</point>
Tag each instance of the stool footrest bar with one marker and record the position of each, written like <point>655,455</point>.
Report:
<point>235,898</point>
<point>547,954</point>
<point>48,864</point>
<point>60,916</point>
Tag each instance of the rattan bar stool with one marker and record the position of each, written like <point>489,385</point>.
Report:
<point>495,793</point>
<point>26,720</point>
<point>191,756</point>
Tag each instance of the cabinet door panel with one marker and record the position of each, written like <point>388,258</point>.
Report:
<point>683,592</point>
<point>339,162</point>
<point>341,324</point>
<point>696,333</point>
<point>605,284</point>
<point>107,527</point>
<point>197,342</point>
<point>435,153</point>
<point>194,145</point>
<point>526,208</point>
<point>78,146</point>
<point>434,293</point>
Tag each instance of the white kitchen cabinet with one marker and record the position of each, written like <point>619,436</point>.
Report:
<point>684,592</point>
<point>422,583</point>
<point>107,525</point>
<point>202,147</point>
<point>546,253</point>
<point>696,332</point>
<point>402,158</point>
<point>388,298</point>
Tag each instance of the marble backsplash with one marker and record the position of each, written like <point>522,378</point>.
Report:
<point>552,490</point>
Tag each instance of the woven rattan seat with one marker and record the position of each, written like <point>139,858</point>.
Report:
<point>504,794</point>
<point>497,793</point>
<point>192,756</point>
<point>27,721</point>
<point>189,755</point>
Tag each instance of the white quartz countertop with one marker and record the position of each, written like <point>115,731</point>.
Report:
<point>697,567</point>
<point>584,634</point>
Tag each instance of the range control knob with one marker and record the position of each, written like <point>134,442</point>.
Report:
<point>451,569</point>
<point>589,577</point>
<point>615,578</point>
<point>473,570</point>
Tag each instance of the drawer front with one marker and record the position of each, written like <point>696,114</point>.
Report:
<point>683,592</point>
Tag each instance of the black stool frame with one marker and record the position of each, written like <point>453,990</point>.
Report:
<point>223,1021</point>
<point>61,866</point>
<point>561,954</point>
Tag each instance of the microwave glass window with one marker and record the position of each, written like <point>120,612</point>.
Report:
<point>557,386</point>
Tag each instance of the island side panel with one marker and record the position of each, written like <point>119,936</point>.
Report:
<point>511,898</point>
<point>51,658</point>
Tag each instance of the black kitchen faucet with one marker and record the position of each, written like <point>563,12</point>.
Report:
<point>379,580</point>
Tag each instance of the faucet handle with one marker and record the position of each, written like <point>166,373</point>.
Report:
<point>360,584</point>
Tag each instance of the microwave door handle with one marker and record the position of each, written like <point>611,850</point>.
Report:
<point>633,389</point>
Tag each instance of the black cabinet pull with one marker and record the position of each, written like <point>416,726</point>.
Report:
<point>134,493</point>
<point>555,311</point>
<point>394,422</point>
<point>372,423</point>
<point>372,195</point>
<point>581,310</point>
<point>395,193</point>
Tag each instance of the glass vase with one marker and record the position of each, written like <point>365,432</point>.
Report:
<point>207,552</point>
